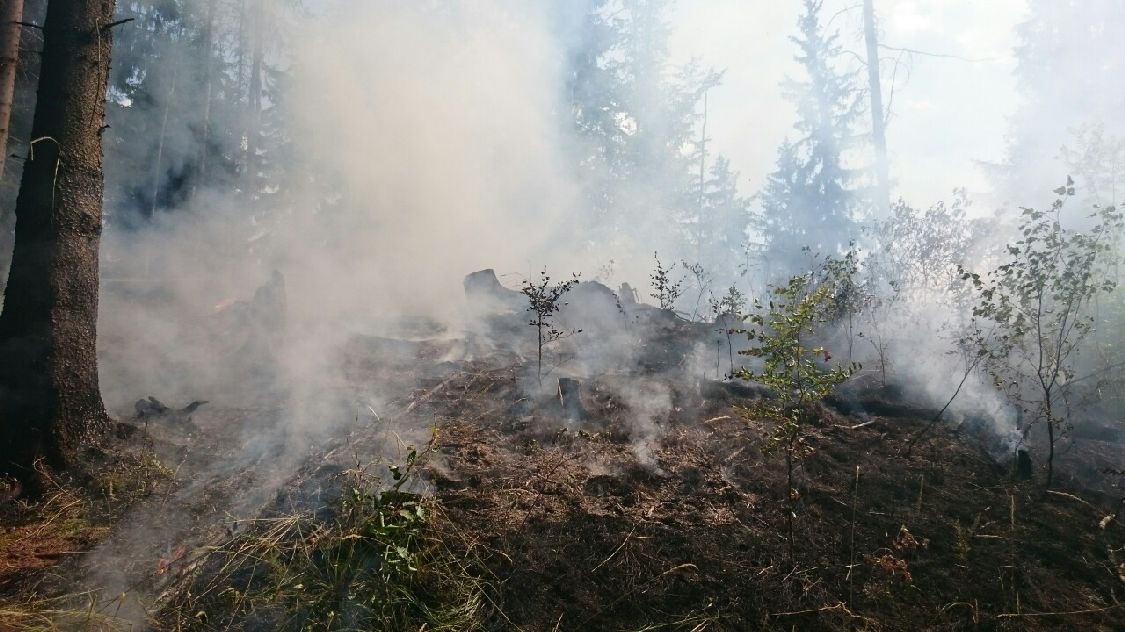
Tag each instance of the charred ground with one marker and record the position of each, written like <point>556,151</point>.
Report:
<point>652,502</point>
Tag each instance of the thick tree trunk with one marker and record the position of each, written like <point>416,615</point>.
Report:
<point>878,118</point>
<point>50,403</point>
<point>10,30</point>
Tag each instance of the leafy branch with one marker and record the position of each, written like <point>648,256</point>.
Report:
<point>1038,301</point>
<point>792,369</point>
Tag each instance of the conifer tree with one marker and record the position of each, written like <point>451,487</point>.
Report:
<point>636,115</point>
<point>50,402</point>
<point>810,201</point>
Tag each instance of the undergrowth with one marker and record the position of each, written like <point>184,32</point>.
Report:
<point>71,515</point>
<point>372,563</point>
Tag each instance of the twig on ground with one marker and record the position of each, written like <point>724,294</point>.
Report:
<point>1072,497</point>
<point>617,550</point>
<point>1029,615</point>
<point>839,606</point>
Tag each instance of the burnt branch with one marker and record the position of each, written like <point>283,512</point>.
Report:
<point>116,24</point>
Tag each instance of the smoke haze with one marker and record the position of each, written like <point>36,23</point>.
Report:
<point>415,142</point>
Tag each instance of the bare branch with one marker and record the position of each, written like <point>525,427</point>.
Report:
<point>117,23</point>
<point>915,51</point>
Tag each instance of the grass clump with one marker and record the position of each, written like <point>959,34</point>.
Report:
<point>85,612</point>
<point>369,561</point>
<point>71,514</point>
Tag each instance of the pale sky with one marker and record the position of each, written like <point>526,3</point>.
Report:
<point>947,113</point>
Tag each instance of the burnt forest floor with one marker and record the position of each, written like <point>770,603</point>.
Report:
<point>580,527</point>
<point>619,516</point>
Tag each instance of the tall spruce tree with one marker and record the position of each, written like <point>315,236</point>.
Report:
<point>50,402</point>
<point>724,218</point>
<point>810,201</point>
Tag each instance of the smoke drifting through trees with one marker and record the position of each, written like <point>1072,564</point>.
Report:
<point>372,153</point>
<point>378,152</point>
<point>285,178</point>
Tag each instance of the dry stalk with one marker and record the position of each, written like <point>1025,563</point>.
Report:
<point>851,544</point>
<point>841,607</point>
<point>617,550</point>
<point>1031,615</point>
<point>1072,497</point>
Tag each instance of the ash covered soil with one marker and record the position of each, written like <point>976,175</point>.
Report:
<point>581,527</point>
<point>648,500</point>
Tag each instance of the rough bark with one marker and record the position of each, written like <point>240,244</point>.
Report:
<point>50,403</point>
<point>10,30</point>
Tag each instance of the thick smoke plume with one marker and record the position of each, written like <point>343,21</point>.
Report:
<point>421,141</point>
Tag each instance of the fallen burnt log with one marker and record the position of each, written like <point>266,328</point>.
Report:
<point>151,407</point>
<point>153,411</point>
<point>733,391</point>
<point>848,405</point>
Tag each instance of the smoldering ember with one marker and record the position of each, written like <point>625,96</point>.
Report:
<point>625,315</point>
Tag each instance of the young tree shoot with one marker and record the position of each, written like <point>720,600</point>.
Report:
<point>728,312</point>
<point>793,369</point>
<point>1039,302</point>
<point>667,291</point>
<point>544,300</point>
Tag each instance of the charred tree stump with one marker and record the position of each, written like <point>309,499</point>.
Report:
<point>569,398</point>
<point>1023,465</point>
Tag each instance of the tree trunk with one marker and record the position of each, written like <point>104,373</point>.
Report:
<point>10,31</point>
<point>158,167</point>
<point>1050,444</point>
<point>254,97</point>
<point>208,90</point>
<point>878,119</point>
<point>50,403</point>
<point>700,231</point>
<point>790,503</point>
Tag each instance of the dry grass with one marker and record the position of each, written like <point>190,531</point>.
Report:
<point>367,561</point>
<point>67,520</point>
<point>578,529</point>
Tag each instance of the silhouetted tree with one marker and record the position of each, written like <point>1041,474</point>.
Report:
<point>636,113</point>
<point>810,201</point>
<point>193,96</point>
<point>1069,64</point>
